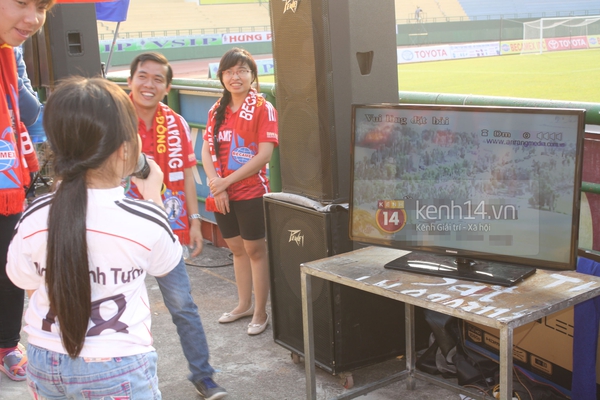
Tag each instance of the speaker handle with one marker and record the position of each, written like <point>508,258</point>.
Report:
<point>304,201</point>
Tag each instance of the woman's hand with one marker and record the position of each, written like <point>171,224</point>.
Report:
<point>217,185</point>
<point>222,202</point>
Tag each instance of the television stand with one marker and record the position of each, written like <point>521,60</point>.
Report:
<point>448,266</point>
<point>505,309</point>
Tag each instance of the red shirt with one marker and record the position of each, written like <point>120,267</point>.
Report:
<point>236,149</point>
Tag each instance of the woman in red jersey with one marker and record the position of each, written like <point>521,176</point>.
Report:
<point>240,137</point>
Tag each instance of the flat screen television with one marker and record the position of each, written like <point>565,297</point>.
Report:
<point>480,193</point>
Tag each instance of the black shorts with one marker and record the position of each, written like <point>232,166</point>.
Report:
<point>246,218</point>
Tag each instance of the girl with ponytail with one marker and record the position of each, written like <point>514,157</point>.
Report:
<point>83,251</point>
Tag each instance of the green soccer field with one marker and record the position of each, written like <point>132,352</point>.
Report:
<point>564,75</point>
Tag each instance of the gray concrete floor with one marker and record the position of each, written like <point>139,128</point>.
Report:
<point>250,368</point>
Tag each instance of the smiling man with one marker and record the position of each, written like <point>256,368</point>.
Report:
<point>166,139</point>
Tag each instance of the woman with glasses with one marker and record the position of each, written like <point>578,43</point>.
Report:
<point>240,137</point>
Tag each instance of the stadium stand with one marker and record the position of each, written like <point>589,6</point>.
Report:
<point>153,17</point>
<point>159,15</point>
<point>528,8</point>
<point>433,10</point>
<point>149,16</point>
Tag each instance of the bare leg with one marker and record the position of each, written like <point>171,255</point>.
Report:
<point>243,274</point>
<point>257,253</point>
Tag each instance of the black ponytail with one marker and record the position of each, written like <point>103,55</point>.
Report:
<point>220,117</point>
<point>86,122</point>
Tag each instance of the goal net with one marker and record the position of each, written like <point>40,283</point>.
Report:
<point>560,33</point>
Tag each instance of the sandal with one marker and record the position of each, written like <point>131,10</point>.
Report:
<point>14,364</point>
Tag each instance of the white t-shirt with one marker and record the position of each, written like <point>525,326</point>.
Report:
<point>126,239</point>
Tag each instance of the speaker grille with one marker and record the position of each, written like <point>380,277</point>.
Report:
<point>352,328</point>
<point>296,235</point>
<point>68,43</point>
<point>302,157</point>
<point>304,93</point>
<point>296,70</point>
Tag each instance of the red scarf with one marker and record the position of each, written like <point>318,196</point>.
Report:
<point>167,124</point>
<point>246,123</point>
<point>16,149</point>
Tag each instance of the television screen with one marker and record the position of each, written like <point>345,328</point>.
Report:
<point>474,192</point>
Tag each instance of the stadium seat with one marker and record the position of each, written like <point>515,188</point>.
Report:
<point>529,8</point>
<point>153,16</point>
<point>433,10</point>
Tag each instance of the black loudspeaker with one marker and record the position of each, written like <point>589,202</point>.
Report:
<point>66,45</point>
<point>352,328</point>
<point>328,54</point>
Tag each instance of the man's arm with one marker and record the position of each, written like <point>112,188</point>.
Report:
<point>29,104</point>
<point>191,204</point>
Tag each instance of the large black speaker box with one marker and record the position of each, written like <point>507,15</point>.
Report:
<point>66,45</point>
<point>328,54</point>
<point>352,328</point>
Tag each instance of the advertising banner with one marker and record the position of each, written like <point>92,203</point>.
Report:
<point>473,50</point>
<point>594,41</point>
<point>518,46</point>
<point>418,54</point>
<point>567,43</point>
<point>447,52</point>
<point>549,44</point>
<point>253,37</point>
<point>159,43</point>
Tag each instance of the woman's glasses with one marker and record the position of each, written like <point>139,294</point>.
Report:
<point>242,73</point>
